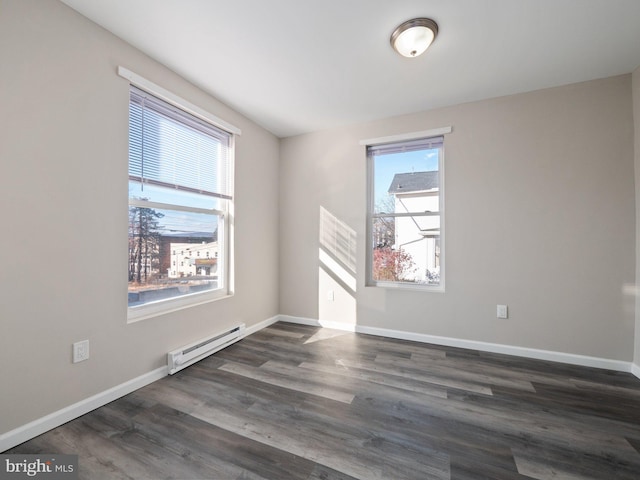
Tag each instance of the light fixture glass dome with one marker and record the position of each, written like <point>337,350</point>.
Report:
<point>414,36</point>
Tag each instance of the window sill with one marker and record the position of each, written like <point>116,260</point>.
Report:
<point>408,286</point>
<point>156,309</point>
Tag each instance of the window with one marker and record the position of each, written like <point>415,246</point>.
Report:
<point>405,217</point>
<point>180,171</point>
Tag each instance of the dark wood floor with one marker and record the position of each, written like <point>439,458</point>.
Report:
<point>298,402</point>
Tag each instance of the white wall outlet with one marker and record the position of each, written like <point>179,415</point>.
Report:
<point>80,351</point>
<point>330,295</point>
<point>502,311</point>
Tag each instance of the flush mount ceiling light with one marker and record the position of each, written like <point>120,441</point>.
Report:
<point>414,36</point>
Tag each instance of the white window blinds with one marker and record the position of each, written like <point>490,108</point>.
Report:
<point>407,146</point>
<point>173,149</point>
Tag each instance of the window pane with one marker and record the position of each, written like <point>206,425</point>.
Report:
<point>172,253</point>
<point>398,177</point>
<point>406,249</point>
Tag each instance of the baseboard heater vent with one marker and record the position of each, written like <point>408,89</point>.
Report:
<point>190,354</point>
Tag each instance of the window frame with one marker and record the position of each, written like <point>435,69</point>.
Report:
<point>372,215</point>
<point>225,213</point>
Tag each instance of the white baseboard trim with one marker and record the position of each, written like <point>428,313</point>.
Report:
<point>32,429</point>
<point>548,355</point>
<point>318,323</point>
<point>37,427</point>
<point>635,369</point>
<point>260,325</point>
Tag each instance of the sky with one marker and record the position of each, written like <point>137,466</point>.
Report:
<point>386,166</point>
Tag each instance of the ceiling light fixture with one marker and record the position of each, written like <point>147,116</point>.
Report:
<point>414,36</point>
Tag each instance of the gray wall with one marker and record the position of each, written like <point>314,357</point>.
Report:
<point>539,215</point>
<point>63,188</point>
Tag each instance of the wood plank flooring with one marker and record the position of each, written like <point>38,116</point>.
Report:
<point>299,402</point>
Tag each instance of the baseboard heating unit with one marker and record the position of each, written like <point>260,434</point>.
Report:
<point>196,351</point>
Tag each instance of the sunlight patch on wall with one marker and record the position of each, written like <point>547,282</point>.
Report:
<point>338,239</point>
<point>336,271</point>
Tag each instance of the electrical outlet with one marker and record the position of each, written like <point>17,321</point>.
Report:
<point>80,351</point>
<point>330,295</point>
<point>502,311</point>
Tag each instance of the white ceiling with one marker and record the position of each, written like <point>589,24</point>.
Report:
<point>295,66</point>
